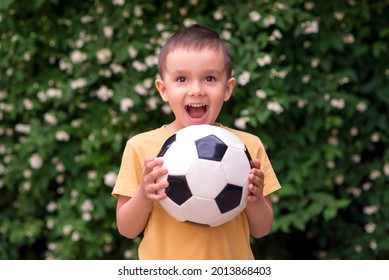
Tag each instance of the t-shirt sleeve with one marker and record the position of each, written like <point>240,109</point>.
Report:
<point>130,172</point>
<point>271,182</point>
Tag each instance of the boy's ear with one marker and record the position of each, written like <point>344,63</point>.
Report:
<point>160,85</point>
<point>230,86</point>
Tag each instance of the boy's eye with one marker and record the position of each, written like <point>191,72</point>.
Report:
<point>210,79</point>
<point>181,79</point>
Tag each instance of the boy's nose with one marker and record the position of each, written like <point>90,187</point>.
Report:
<point>196,89</point>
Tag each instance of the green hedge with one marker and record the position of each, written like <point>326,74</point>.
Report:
<point>76,81</point>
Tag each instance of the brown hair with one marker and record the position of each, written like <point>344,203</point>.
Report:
<point>195,37</point>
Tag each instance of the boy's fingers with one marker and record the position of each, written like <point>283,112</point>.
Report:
<point>256,163</point>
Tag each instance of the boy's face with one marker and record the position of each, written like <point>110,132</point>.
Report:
<point>195,85</point>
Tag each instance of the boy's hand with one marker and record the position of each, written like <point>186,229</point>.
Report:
<point>256,178</point>
<point>152,170</point>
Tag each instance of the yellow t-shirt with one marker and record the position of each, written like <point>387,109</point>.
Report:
<point>166,238</point>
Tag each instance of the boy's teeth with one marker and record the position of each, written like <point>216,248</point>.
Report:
<point>196,110</point>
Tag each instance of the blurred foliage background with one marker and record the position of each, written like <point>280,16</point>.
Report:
<point>77,80</point>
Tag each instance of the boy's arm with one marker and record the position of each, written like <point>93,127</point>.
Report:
<point>132,213</point>
<point>259,209</point>
<point>260,216</point>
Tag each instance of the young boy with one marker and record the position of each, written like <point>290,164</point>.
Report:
<point>195,80</point>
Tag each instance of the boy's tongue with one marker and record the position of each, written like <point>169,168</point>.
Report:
<point>196,112</point>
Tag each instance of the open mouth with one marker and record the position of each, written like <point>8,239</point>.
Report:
<point>196,111</point>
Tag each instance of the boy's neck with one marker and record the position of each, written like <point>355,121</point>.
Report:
<point>173,128</point>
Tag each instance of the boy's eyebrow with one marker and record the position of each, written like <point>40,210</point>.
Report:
<point>207,71</point>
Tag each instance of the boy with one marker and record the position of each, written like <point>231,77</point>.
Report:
<point>195,80</point>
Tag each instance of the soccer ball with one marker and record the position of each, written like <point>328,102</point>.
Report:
<point>208,168</point>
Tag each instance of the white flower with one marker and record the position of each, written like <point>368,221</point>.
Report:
<point>189,22</point>
<point>244,78</point>
<point>50,118</point>
<point>275,35</point>
<point>310,27</point>
<point>23,128</point>
<point>87,206</point>
<point>367,186</point>
<point>54,93</point>
<point>226,35</point>
<point>370,227</point>
<point>309,6</point>
<point>344,80</point>
<point>67,229</point>
<point>354,131</point>
<point>254,16</point>
<point>166,109</point>
<point>151,60</point>
<point>86,216</point>
<point>275,107</point>
<point>108,31</point>
<point>125,104</point>
<point>374,174</point>
<point>139,66</point>
<point>104,56</point>
<point>51,207</point>
<point>28,104</point>
<point>118,2</point>
<point>306,79</point>
<point>110,179</point>
<point>262,61</point>
<point>356,192</point>
<point>339,15</point>
<point>269,20</point>
<point>148,83</point>
<point>76,236</point>
<point>132,52</point>
<point>128,254</point>
<point>339,180</point>
<point>86,19</point>
<point>92,174</point>
<point>36,161</point>
<point>152,103</point>
<point>60,167</point>
<point>338,103</point>
<point>241,123</point>
<point>356,158</point>
<point>141,90</point>
<point>3,95</point>
<point>62,136</point>
<point>375,137</point>
<point>315,62</point>
<point>104,93</point>
<point>370,210</point>
<point>138,12</point>
<point>261,94</point>
<point>302,102</point>
<point>386,168</point>
<point>78,56</point>
<point>218,15</point>
<point>117,68</point>
<point>78,83</point>
<point>50,224</point>
<point>361,107</point>
<point>65,66</point>
<point>349,38</point>
<point>373,244</point>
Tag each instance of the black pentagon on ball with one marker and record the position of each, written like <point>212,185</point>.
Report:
<point>248,156</point>
<point>167,145</point>
<point>229,198</point>
<point>178,189</point>
<point>211,148</point>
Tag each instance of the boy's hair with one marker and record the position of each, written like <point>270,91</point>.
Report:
<point>195,37</point>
